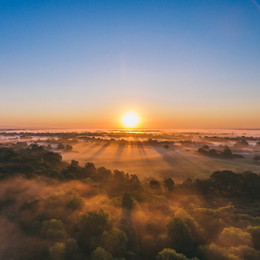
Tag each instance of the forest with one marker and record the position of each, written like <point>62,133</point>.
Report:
<point>53,209</point>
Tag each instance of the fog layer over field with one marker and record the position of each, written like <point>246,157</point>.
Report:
<point>143,152</point>
<point>178,161</point>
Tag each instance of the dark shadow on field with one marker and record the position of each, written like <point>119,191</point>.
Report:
<point>192,165</point>
<point>185,159</point>
<point>90,147</point>
<point>132,147</point>
<point>84,151</point>
<point>99,151</point>
<point>127,226</point>
<point>165,155</point>
<point>119,150</point>
<point>142,151</point>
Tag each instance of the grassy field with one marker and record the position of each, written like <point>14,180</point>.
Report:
<point>179,162</point>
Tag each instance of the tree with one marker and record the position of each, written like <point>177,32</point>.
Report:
<point>204,149</point>
<point>72,200</point>
<point>7,154</point>
<point>225,181</point>
<point>119,178</point>
<point>154,184</point>
<point>103,174</point>
<point>171,254</point>
<point>214,252</point>
<point>74,164</point>
<point>234,237</point>
<point>127,201</point>
<point>72,248</point>
<point>180,236</point>
<point>255,233</point>
<point>52,158</point>
<point>169,184</point>
<point>114,241</point>
<point>212,152</point>
<point>91,169</point>
<point>68,147</point>
<point>91,225</point>
<point>226,152</point>
<point>53,229</point>
<point>101,254</point>
<point>256,158</point>
<point>60,146</point>
<point>57,252</point>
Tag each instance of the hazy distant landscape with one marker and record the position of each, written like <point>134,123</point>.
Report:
<point>143,152</point>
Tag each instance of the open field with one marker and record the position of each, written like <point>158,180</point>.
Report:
<point>143,152</point>
<point>178,162</point>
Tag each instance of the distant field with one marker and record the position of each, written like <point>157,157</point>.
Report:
<point>142,152</point>
<point>178,162</point>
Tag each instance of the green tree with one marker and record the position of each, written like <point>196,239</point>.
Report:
<point>53,229</point>
<point>169,184</point>
<point>114,241</point>
<point>234,237</point>
<point>57,252</point>
<point>74,164</point>
<point>127,201</point>
<point>180,236</point>
<point>61,146</point>
<point>91,226</point>
<point>154,184</point>
<point>214,252</point>
<point>170,254</point>
<point>91,169</point>
<point>72,249</point>
<point>101,254</point>
<point>255,233</point>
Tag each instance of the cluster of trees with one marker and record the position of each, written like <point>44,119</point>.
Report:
<point>241,143</point>
<point>111,215</point>
<point>121,141</point>
<point>228,184</point>
<point>28,161</point>
<point>229,138</point>
<point>256,158</point>
<point>66,147</point>
<point>225,154</point>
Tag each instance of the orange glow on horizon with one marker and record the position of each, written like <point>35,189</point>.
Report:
<point>110,119</point>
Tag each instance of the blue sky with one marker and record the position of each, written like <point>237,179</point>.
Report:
<point>183,63</point>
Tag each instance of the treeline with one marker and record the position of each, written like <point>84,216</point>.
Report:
<point>226,153</point>
<point>56,210</point>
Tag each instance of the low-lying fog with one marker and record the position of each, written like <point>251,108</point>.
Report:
<point>134,153</point>
<point>146,161</point>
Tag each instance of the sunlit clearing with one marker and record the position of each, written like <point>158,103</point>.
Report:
<point>130,120</point>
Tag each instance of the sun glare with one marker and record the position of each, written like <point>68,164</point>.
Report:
<point>130,120</point>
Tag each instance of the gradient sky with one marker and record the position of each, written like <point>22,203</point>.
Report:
<point>178,63</point>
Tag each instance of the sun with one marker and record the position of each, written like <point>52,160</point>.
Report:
<point>130,120</point>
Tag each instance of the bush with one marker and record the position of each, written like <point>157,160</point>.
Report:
<point>180,236</point>
<point>214,252</point>
<point>53,229</point>
<point>57,252</point>
<point>171,254</point>
<point>234,237</point>
<point>101,254</point>
<point>114,241</point>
